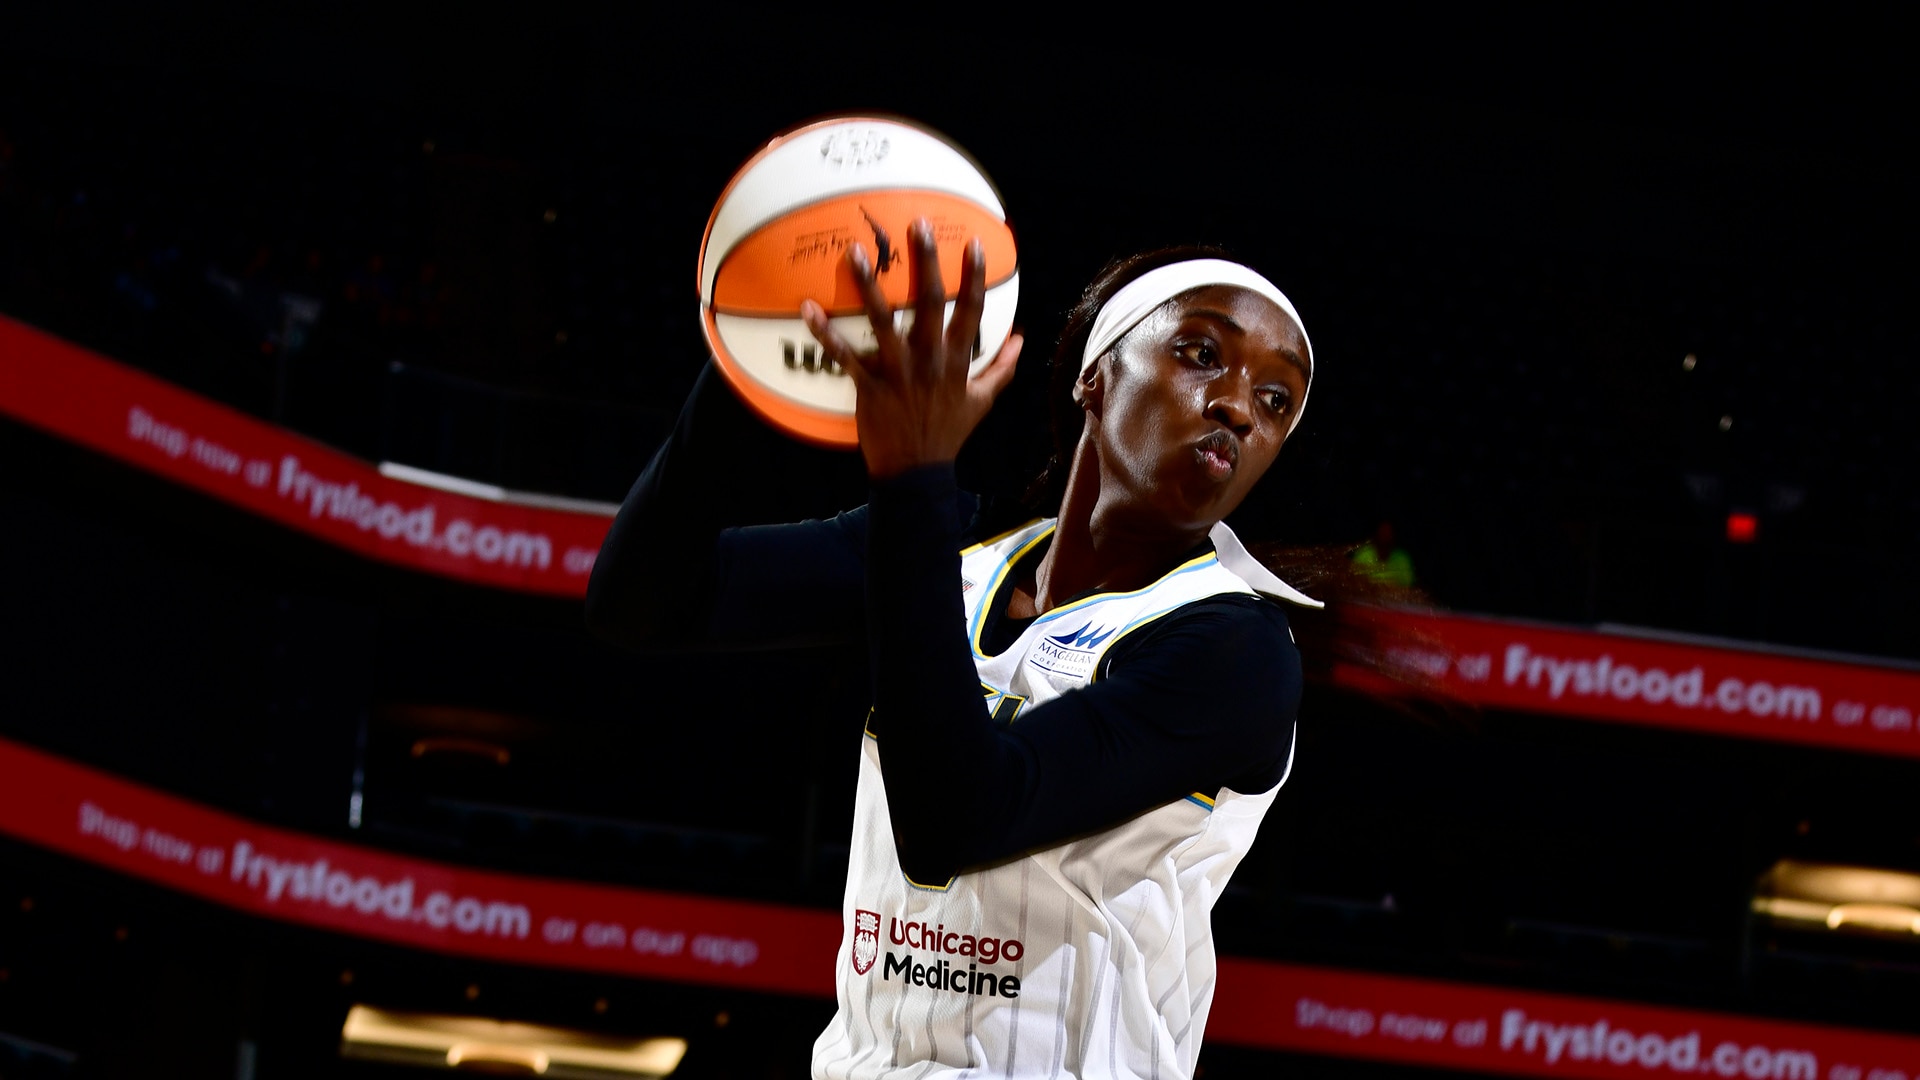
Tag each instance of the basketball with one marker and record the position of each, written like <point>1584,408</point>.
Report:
<point>779,235</point>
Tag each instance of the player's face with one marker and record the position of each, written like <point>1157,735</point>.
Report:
<point>1193,404</point>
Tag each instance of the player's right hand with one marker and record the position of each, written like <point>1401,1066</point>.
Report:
<point>917,400</point>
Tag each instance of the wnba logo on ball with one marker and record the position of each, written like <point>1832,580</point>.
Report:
<point>866,940</point>
<point>854,146</point>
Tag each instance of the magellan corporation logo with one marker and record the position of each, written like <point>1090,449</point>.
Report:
<point>1071,654</point>
<point>950,949</point>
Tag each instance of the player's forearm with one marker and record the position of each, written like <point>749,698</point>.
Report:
<point>673,575</point>
<point>929,715</point>
<point>654,570</point>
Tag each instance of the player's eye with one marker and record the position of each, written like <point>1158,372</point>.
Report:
<point>1198,351</point>
<point>1278,398</point>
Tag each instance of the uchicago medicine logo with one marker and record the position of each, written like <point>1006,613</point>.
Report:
<point>950,949</point>
<point>866,940</point>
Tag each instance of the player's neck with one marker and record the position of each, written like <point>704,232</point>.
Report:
<point>1095,550</point>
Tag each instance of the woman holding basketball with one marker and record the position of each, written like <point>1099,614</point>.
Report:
<point>1068,754</point>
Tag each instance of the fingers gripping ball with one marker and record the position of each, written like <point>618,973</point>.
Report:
<point>780,234</point>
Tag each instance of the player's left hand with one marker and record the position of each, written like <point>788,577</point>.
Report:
<point>917,400</point>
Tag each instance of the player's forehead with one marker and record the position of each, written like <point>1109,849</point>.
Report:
<point>1241,315</point>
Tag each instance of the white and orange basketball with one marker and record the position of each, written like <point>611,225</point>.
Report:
<point>780,233</point>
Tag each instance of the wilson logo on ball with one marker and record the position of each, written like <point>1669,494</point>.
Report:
<point>806,356</point>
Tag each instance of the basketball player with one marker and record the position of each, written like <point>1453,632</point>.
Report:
<point>1069,752</point>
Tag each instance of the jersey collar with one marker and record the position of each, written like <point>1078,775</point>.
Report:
<point>1235,557</point>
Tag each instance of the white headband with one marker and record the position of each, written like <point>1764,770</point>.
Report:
<point>1143,296</point>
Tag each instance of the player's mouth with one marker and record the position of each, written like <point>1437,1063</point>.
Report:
<point>1219,453</point>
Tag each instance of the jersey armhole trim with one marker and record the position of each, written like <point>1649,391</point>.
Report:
<point>992,588</point>
<point>990,541</point>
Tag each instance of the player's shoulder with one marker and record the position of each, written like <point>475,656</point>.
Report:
<point>1232,661</point>
<point>1248,612</point>
<point>1245,625</point>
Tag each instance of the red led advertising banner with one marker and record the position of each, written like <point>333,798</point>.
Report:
<point>153,425</point>
<point>149,423</point>
<point>346,888</point>
<point>357,890</point>
<point>1698,687</point>
<point>1482,1029</point>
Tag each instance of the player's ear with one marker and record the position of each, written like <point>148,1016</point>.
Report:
<point>1090,388</point>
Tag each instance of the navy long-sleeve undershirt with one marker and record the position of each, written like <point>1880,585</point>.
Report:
<point>1200,700</point>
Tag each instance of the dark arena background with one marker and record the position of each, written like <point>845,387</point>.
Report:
<point>1614,324</point>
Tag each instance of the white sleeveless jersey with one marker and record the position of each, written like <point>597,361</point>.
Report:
<point>1091,958</point>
